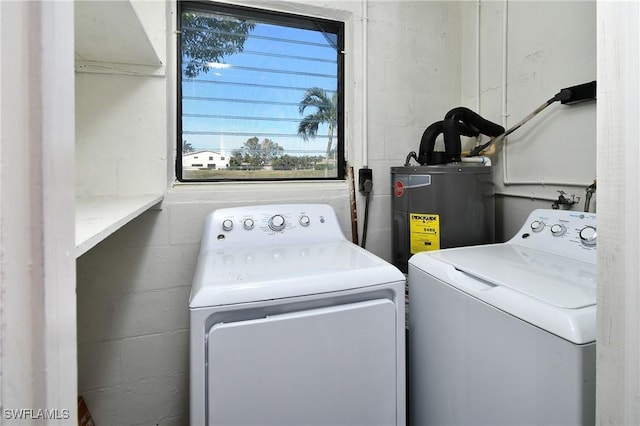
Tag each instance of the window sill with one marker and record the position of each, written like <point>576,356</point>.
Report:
<point>248,185</point>
<point>258,192</point>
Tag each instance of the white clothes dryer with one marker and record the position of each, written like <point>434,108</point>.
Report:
<point>291,324</point>
<point>504,334</point>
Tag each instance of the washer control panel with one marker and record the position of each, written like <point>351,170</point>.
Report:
<point>268,225</point>
<point>563,232</point>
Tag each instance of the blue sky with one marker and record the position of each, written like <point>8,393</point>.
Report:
<point>270,110</point>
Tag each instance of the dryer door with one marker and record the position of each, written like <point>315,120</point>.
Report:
<point>326,366</point>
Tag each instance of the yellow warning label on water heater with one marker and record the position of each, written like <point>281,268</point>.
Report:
<point>424,232</point>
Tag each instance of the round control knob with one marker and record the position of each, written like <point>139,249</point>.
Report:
<point>277,223</point>
<point>537,226</point>
<point>227,224</point>
<point>588,236</point>
<point>248,224</point>
<point>304,220</point>
<point>557,230</point>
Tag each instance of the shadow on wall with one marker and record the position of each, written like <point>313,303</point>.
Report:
<point>133,338</point>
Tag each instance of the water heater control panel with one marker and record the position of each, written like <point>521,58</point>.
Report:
<point>561,232</point>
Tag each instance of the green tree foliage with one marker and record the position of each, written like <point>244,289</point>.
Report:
<point>255,154</point>
<point>252,152</point>
<point>269,150</point>
<point>236,160</point>
<point>290,162</point>
<point>187,147</point>
<point>208,39</point>
<point>325,111</point>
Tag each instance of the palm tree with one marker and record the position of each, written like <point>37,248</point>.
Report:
<point>187,147</point>
<point>326,111</point>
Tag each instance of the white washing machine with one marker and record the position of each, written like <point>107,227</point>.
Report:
<point>291,324</point>
<point>504,334</point>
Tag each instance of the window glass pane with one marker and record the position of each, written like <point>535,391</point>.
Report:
<point>260,93</point>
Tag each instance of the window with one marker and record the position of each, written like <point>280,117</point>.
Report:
<point>262,89</point>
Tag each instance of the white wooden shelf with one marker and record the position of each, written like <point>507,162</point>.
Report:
<point>109,38</point>
<point>117,38</point>
<point>99,217</point>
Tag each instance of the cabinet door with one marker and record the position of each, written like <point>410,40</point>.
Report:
<point>327,366</point>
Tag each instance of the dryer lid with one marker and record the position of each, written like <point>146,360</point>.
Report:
<point>253,274</point>
<point>558,281</point>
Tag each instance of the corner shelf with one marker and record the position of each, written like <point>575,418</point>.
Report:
<point>99,217</point>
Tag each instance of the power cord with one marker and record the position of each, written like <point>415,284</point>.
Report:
<point>367,188</point>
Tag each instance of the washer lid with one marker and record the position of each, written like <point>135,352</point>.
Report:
<point>251,274</point>
<point>554,293</point>
<point>556,280</point>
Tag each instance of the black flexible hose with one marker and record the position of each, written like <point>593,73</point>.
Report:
<point>411,155</point>
<point>427,144</point>
<point>463,120</point>
<point>472,123</point>
<point>368,186</point>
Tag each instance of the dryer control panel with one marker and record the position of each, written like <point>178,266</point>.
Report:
<point>270,225</point>
<point>562,232</point>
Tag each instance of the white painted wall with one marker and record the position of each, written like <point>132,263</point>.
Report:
<point>133,292</point>
<point>133,288</point>
<point>413,80</point>
<point>119,121</point>
<point>618,368</point>
<point>37,274</point>
<point>549,46</point>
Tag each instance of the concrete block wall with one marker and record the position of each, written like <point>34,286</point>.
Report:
<point>549,46</point>
<point>133,288</point>
<point>133,293</point>
<point>414,76</point>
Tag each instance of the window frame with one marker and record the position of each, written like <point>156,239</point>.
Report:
<point>278,18</point>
